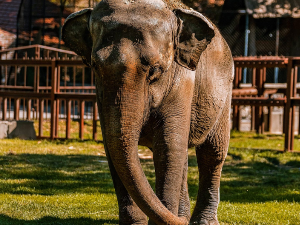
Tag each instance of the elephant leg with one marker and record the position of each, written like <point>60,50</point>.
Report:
<point>211,156</point>
<point>129,212</point>
<point>184,201</point>
<point>170,161</point>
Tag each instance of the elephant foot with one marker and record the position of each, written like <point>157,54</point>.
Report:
<point>205,221</point>
<point>134,223</point>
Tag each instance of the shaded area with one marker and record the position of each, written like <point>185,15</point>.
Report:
<point>250,176</point>
<point>54,174</point>
<point>52,220</point>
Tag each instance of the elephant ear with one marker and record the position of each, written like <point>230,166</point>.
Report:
<point>76,34</point>
<point>194,34</point>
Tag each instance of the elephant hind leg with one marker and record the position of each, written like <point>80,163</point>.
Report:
<point>210,157</point>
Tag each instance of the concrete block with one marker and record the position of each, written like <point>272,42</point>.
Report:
<point>3,129</point>
<point>17,129</point>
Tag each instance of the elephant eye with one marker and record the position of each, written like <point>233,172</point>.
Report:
<point>154,73</point>
<point>110,38</point>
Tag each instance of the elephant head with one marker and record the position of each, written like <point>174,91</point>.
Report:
<point>133,47</point>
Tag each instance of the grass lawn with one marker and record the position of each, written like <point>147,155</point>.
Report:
<point>68,182</point>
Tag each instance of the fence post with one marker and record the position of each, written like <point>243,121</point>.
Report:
<point>53,100</point>
<point>57,100</point>
<point>16,108</point>
<point>236,108</point>
<point>95,121</point>
<point>4,108</point>
<point>41,116</point>
<point>28,109</point>
<point>288,115</point>
<point>68,122</point>
<point>81,120</point>
<point>37,78</point>
<point>259,114</point>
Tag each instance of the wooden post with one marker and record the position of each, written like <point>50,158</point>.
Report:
<point>236,108</point>
<point>95,120</point>
<point>16,108</point>
<point>28,109</point>
<point>81,123</point>
<point>270,109</point>
<point>289,135</point>
<point>4,108</point>
<point>253,107</point>
<point>257,108</point>
<point>68,122</point>
<point>53,100</point>
<point>57,101</point>
<point>57,117</point>
<point>259,115</point>
<point>41,117</point>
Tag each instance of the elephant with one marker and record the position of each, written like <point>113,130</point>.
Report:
<point>163,76</point>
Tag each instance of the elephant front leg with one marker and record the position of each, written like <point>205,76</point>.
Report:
<point>211,156</point>
<point>170,161</point>
<point>129,212</point>
<point>184,200</point>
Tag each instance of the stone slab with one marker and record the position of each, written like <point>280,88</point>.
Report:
<point>17,129</point>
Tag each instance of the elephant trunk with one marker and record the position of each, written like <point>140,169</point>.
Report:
<point>121,124</point>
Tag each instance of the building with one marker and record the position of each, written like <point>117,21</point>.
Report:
<point>27,22</point>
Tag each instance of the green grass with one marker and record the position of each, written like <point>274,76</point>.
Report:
<point>68,182</point>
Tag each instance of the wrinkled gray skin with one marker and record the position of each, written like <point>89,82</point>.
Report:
<point>163,79</point>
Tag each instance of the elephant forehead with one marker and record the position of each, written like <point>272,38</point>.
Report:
<point>141,14</point>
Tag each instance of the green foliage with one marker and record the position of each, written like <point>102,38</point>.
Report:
<point>68,182</point>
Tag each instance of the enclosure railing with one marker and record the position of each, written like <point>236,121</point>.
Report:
<point>44,83</point>
<point>48,84</point>
<point>259,94</point>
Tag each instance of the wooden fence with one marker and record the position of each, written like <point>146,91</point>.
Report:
<point>259,94</point>
<point>51,84</point>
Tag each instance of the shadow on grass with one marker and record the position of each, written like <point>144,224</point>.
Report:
<point>5,220</point>
<point>260,180</point>
<point>54,174</point>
